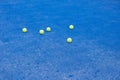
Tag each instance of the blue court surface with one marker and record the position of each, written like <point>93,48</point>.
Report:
<point>94,53</point>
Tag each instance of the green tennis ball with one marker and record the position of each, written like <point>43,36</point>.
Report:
<point>48,29</point>
<point>69,40</point>
<point>41,32</point>
<point>24,30</point>
<point>71,27</point>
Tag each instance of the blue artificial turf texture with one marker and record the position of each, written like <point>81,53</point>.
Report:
<point>94,53</point>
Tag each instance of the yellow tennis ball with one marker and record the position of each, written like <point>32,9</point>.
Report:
<point>41,32</point>
<point>69,40</point>
<point>24,30</point>
<point>48,29</point>
<point>71,27</point>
